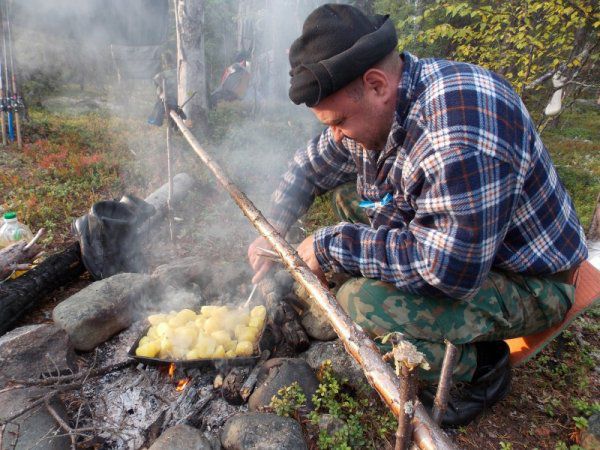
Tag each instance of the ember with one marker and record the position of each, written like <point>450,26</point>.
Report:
<point>181,384</point>
<point>171,370</point>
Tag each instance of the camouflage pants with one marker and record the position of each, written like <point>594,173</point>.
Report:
<point>507,306</point>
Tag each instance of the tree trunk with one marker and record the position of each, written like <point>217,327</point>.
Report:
<point>191,65</point>
<point>594,231</point>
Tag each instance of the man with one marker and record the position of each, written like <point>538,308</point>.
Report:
<point>464,231</point>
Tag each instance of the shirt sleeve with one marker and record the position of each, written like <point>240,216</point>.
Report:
<point>462,216</point>
<point>319,167</point>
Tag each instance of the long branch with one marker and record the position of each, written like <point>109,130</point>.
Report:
<point>360,346</point>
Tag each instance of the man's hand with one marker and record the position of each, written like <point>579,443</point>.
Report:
<point>307,253</point>
<point>259,264</point>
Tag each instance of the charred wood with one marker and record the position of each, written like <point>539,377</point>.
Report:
<point>18,255</point>
<point>19,296</point>
<point>232,385</point>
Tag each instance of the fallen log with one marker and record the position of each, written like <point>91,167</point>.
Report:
<point>19,255</point>
<point>426,433</point>
<point>19,296</point>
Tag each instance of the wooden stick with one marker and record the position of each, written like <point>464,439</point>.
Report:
<point>440,402</point>
<point>250,382</point>
<point>169,161</point>
<point>360,346</point>
<point>76,377</point>
<point>407,397</point>
<point>65,426</point>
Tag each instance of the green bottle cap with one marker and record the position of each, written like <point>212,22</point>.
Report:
<point>10,215</point>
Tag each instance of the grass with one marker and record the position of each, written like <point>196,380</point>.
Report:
<point>575,148</point>
<point>66,164</point>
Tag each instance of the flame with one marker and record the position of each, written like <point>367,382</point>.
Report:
<point>171,370</point>
<point>181,384</point>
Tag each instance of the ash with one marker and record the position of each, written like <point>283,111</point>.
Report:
<point>132,407</point>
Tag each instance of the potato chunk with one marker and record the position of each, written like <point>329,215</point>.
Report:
<point>148,350</point>
<point>244,348</point>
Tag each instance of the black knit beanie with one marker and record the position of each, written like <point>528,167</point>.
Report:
<point>338,44</point>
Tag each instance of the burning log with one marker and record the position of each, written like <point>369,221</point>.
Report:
<point>380,375</point>
<point>232,385</point>
<point>250,382</point>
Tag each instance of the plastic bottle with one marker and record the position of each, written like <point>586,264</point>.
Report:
<point>13,231</point>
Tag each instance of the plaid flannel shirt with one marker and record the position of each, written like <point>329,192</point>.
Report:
<point>473,189</point>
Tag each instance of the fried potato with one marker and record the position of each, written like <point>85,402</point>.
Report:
<point>184,337</point>
<point>163,329</point>
<point>244,348</point>
<point>219,352</point>
<point>256,322</point>
<point>259,311</point>
<point>148,350</point>
<point>155,319</point>
<point>216,332</point>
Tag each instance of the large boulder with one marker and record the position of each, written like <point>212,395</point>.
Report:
<point>316,324</point>
<point>261,431</point>
<point>590,437</point>
<point>34,350</point>
<point>342,364</point>
<point>102,309</point>
<point>36,429</point>
<point>278,373</point>
<point>181,437</point>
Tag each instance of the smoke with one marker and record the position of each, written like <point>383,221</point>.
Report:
<point>252,138</point>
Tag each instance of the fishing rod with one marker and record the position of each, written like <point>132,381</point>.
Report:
<point>6,107</point>
<point>15,99</point>
<point>2,101</point>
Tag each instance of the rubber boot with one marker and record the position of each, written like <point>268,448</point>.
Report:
<point>490,384</point>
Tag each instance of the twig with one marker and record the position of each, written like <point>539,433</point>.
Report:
<point>407,360</point>
<point>441,396</point>
<point>40,400</point>
<point>79,376</point>
<point>407,398</point>
<point>37,236</point>
<point>65,426</point>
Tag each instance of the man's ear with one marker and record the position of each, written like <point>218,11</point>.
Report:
<point>377,82</point>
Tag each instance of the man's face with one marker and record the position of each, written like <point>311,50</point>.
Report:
<point>357,115</point>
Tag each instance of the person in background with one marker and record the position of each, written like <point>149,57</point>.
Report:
<point>454,223</point>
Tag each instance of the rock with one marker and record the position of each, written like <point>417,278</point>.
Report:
<point>102,309</point>
<point>35,429</point>
<point>262,431</point>
<point>284,280</point>
<point>278,373</point>
<point>33,350</point>
<point>316,325</point>
<point>330,424</point>
<point>590,438</point>
<point>181,437</point>
<point>211,278</point>
<point>343,365</point>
